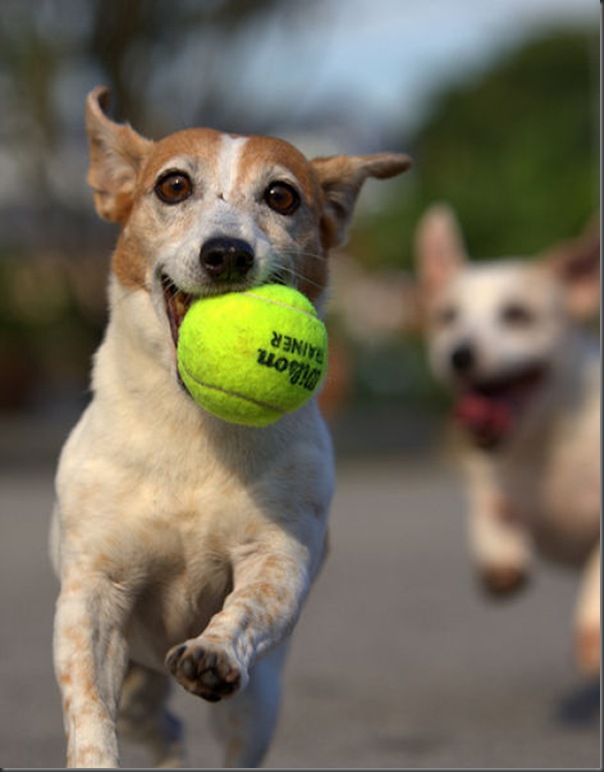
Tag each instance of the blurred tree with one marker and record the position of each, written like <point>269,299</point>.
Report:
<point>167,63</point>
<point>514,151</point>
<point>186,36</point>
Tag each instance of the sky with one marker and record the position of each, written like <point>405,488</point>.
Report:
<point>371,66</point>
<point>394,54</point>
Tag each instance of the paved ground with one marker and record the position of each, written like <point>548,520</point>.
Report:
<point>398,662</point>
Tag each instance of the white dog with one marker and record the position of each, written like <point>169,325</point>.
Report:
<point>503,335</point>
<point>184,544</point>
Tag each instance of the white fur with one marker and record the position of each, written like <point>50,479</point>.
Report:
<point>227,163</point>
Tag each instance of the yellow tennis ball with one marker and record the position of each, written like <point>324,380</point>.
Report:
<point>250,357</point>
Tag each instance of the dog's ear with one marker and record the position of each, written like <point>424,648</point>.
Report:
<point>439,248</point>
<point>116,155</point>
<point>341,178</point>
<point>576,263</point>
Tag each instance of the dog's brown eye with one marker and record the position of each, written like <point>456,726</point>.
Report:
<point>282,197</point>
<point>517,315</point>
<point>174,187</point>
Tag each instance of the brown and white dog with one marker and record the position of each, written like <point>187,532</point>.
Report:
<point>503,336</point>
<point>184,544</point>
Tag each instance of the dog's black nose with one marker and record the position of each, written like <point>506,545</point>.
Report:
<point>463,358</point>
<point>226,259</point>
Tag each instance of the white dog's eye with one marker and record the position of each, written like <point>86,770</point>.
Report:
<point>282,197</point>
<point>445,315</point>
<point>173,187</point>
<point>516,315</point>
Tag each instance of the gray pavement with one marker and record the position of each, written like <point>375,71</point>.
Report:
<point>397,662</point>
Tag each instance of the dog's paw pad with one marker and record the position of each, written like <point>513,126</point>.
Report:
<point>501,581</point>
<point>208,672</point>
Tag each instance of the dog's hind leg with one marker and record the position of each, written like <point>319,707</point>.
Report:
<point>245,722</point>
<point>145,719</point>
<point>587,617</point>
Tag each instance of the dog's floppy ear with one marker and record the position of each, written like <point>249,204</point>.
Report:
<point>576,263</point>
<point>116,154</point>
<point>341,178</point>
<point>439,248</point>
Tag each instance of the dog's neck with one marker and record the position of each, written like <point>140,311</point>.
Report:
<point>135,356</point>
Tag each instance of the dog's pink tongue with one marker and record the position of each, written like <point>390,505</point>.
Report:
<point>488,419</point>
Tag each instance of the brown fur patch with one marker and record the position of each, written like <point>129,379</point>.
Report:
<point>190,143</point>
<point>267,153</point>
<point>130,268</point>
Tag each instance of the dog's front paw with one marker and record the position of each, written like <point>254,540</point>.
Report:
<point>503,581</point>
<point>206,670</point>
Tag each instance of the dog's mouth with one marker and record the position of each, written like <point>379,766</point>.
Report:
<point>176,303</point>
<point>489,410</point>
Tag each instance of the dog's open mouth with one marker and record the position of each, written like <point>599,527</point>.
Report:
<point>488,411</point>
<point>177,304</point>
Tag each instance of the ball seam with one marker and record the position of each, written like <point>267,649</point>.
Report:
<point>227,393</point>
<point>251,294</point>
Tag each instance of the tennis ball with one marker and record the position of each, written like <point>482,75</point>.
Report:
<point>250,357</point>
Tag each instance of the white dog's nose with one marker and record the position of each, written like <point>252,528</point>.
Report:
<point>463,358</point>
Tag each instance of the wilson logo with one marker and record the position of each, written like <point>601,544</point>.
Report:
<point>300,374</point>
<point>303,365</point>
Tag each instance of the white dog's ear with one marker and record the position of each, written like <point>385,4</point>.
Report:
<point>116,155</point>
<point>576,263</point>
<point>439,248</point>
<point>341,178</point>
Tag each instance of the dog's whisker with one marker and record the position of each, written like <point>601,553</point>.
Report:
<point>289,274</point>
<point>306,279</point>
<point>298,253</point>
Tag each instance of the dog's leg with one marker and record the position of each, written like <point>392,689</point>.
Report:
<point>145,719</point>
<point>500,542</point>
<point>245,724</point>
<point>587,617</point>
<point>90,656</point>
<point>268,590</point>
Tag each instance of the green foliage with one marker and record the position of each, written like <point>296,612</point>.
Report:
<point>515,152</point>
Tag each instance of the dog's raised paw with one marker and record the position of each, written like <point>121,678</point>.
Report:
<point>204,670</point>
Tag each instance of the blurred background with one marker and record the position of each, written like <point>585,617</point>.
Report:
<point>498,104</point>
